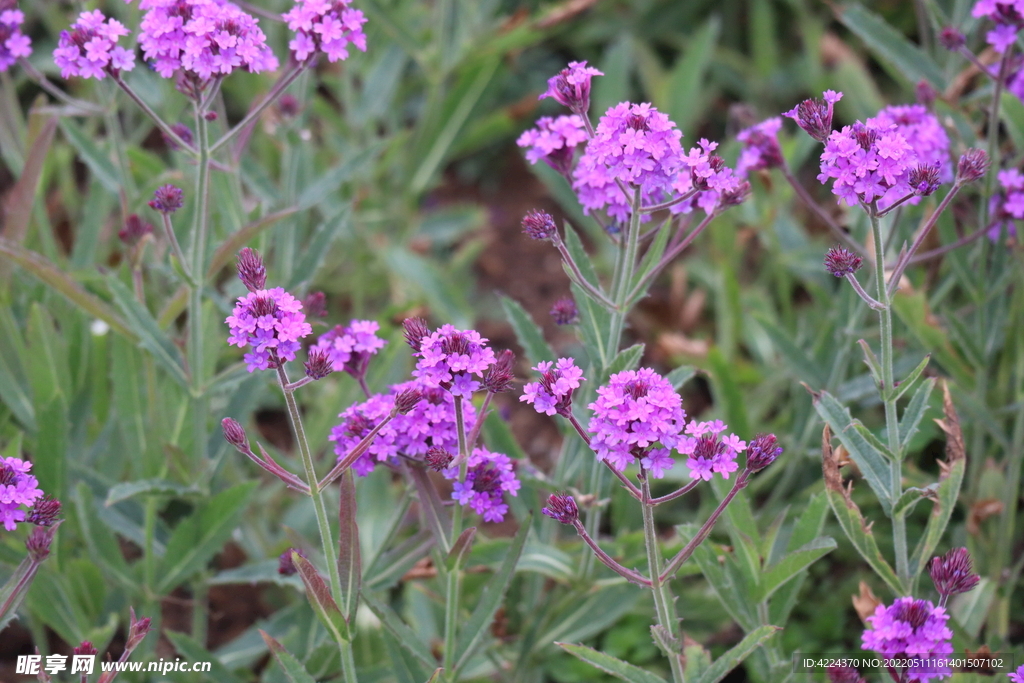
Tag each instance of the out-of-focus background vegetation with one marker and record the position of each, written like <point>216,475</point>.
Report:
<point>394,186</point>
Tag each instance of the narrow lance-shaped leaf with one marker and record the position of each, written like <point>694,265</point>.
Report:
<point>148,332</point>
<point>914,412</point>
<point>892,46</point>
<point>349,562</point>
<point>792,564</point>
<point>528,334</point>
<point>460,549</point>
<point>291,666</point>
<point>404,635</point>
<point>736,654</point>
<point>610,665</point>
<point>319,596</point>
<point>910,381</point>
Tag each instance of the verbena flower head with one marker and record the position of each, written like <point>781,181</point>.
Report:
<point>760,147</point>
<point>561,508</point>
<point>13,43</point>
<point>565,312</point>
<point>1008,16</point>
<point>90,49</point>
<point>554,142</point>
<point>270,322</point>
<point>973,165</point>
<point>167,199</point>
<point>1007,204</point>
<point>553,393</point>
<point>488,477</point>
<point>923,132</point>
<point>570,87</point>
<point>498,378</point>
<point>429,424</point>
<point>868,164</point>
<point>951,38</point>
<point>134,230</point>
<point>1017,676</point>
<point>539,225</point>
<point>710,452</point>
<point>202,38</point>
<point>45,512</point>
<point>251,269</point>
<point>634,144</point>
<point>637,414</point>
<point>842,262</point>
<point>451,358</point>
<point>327,26</point>
<point>911,628</point>
<point>717,185</point>
<point>762,451</point>
<point>19,490</point>
<point>438,459</point>
<point>953,573</point>
<point>815,116</point>
<point>351,348</point>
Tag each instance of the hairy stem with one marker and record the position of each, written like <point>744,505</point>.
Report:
<point>664,604</point>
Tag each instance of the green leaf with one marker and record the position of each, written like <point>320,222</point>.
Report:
<point>915,411</point>
<point>330,181</point>
<point>472,632</point>
<point>911,380</point>
<point>593,326</point>
<point>14,388</point>
<point>446,297</point>
<point>349,562</point>
<point>574,246</point>
<point>731,592</point>
<point>872,362</point>
<point>792,564</point>
<point>651,258</point>
<point>460,548</point>
<point>728,391</point>
<point>528,334</point>
<point>292,667</point>
<point>914,311</point>
<point>405,636</point>
<point>892,46</point>
<point>610,665</point>
<point>319,597</point>
<point>872,464</point>
<point>98,162</point>
<point>189,648</point>
<point>150,487</point>
<point>200,536</point>
<point>586,615</point>
<point>150,336</point>
<point>17,206</point>
<point>683,98</point>
<point>318,246</point>
<point>680,376</point>
<point>431,508</point>
<point>102,545</point>
<point>911,497</point>
<point>737,653</point>
<point>626,359</point>
<point>971,609</point>
<point>800,363</point>
<point>873,440</point>
<point>436,676</point>
<point>265,571</point>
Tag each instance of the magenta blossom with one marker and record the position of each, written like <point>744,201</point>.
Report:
<point>1007,205</point>
<point>18,490</point>
<point>13,43</point>
<point>1018,676</point>
<point>327,26</point>
<point>270,321</point>
<point>570,87</point>
<point>90,49</point>
<point>760,147</point>
<point>911,629</point>
<point>553,393</point>
<point>1008,16</point>
<point>709,452</point>
<point>451,358</point>
<point>923,133</point>
<point>350,348</point>
<point>815,116</point>
<point>554,141</point>
<point>717,185</point>
<point>488,476</point>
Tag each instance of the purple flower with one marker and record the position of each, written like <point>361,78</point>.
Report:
<point>350,348</point>
<point>553,393</point>
<point>1006,205</point>
<point>561,508</point>
<point>539,225</point>
<point>923,133</point>
<point>760,147</point>
<point>488,476</point>
<point>951,38</point>
<point>327,26</point>
<point>166,199</point>
<point>271,322</point>
<point>717,184</point>
<point>815,116</point>
<point>1008,16</point>
<point>842,262</point>
<point>709,451</point>
<point>90,50</point>
<point>564,312</point>
<point>554,142</point>
<point>449,358</point>
<point>570,87</point>
<point>634,411</point>
<point>973,165</point>
<point>429,424</point>
<point>953,573</point>
<point>134,230</point>
<point>762,451</point>
<point>45,511</point>
<point>498,378</point>
<point>202,38</point>
<point>1017,677</point>
<point>911,628</point>
<point>13,43</point>
<point>18,489</point>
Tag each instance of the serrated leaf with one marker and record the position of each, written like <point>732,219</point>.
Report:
<point>892,46</point>
<point>792,564</point>
<point>737,653</point>
<point>405,636</point>
<point>320,599</point>
<point>152,487</point>
<point>528,334</point>
<point>626,359</point>
<point>200,536</point>
<point>914,412</point>
<point>149,334</point>
<point>873,440</point>
<point>291,666</point>
<point>910,381</point>
<point>610,665</point>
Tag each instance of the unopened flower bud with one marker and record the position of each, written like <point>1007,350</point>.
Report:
<point>288,106</point>
<point>319,363</point>
<point>951,39</point>
<point>166,199</point>
<point>498,377</point>
<point>234,434</point>
<point>438,459</point>
<point>86,648</point>
<point>562,508</point>
<point>842,262</point>
<point>924,180</point>
<point>134,230</point>
<point>45,512</point>
<point>815,116</point>
<point>565,312</point>
<point>571,87</point>
<point>286,563</point>
<point>8,477</point>
<point>137,630</point>
<point>843,674</point>
<point>315,305</point>
<point>539,225</point>
<point>735,196</point>
<point>762,451</point>
<point>183,132</point>
<point>925,93</point>
<point>415,330</point>
<point>38,542</point>
<point>210,116</point>
<point>407,400</point>
<point>972,166</point>
<point>251,270</point>
<point>953,572</point>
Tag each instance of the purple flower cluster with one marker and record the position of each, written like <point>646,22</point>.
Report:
<point>554,141</point>
<point>205,38</point>
<point>17,488</point>
<point>1008,16</point>
<point>350,348</point>
<point>717,183</point>
<point>90,49</point>
<point>271,322</point>
<point>1017,677</point>
<point>430,424</point>
<point>815,116</point>
<point>634,411</point>
<point>449,358</point>
<point>760,147</point>
<point>910,628</point>
<point>923,133</point>
<point>570,87</point>
<point>327,26</point>
<point>1007,205</point>
<point>13,43</point>
<point>553,393</point>
<point>488,476</point>
<point>709,451</point>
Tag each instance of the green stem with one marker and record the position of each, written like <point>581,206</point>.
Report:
<point>453,581</point>
<point>663,599</point>
<point>899,523</point>
<point>195,305</point>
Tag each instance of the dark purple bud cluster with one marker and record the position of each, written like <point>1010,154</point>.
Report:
<point>183,132</point>
<point>415,331</point>
<point>498,377</point>
<point>234,434</point>
<point>844,674</point>
<point>251,270</point>
<point>407,400</point>
<point>762,451</point>
<point>285,562</point>
<point>85,648</point>
<point>439,459</point>
<point>953,573</point>
<point>45,512</point>
<point>319,363</point>
<point>924,180</point>
<point>564,312</point>
<point>951,38</point>
<point>539,225</point>
<point>842,262</point>
<point>562,508</point>
<point>815,115</point>
<point>315,305</point>
<point>167,199</point>
<point>972,166</point>
<point>134,230</point>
